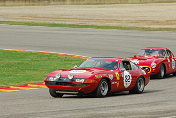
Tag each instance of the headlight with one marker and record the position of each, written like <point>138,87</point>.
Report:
<point>79,80</point>
<point>70,76</point>
<point>58,75</point>
<point>51,78</point>
<point>153,65</point>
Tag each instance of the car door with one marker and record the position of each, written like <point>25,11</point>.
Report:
<point>174,63</point>
<point>129,75</point>
<point>171,61</point>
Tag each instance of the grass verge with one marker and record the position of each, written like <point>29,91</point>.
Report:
<point>21,68</point>
<point>85,26</point>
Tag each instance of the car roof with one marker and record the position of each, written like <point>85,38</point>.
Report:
<point>155,48</point>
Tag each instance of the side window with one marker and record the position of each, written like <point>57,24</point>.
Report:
<point>126,65</point>
<point>169,53</point>
<point>134,66</point>
<point>162,53</point>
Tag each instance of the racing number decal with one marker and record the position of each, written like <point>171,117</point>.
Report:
<point>127,79</point>
<point>173,63</point>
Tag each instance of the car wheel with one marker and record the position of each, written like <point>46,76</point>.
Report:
<point>54,94</point>
<point>161,72</point>
<point>102,89</point>
<point>174,74</point>
<point>139,86</point>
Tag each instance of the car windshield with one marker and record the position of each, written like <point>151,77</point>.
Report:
<point>100,64</point>
<point>152,52</point>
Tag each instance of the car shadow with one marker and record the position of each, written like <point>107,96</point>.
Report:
<point>166,77</point>
<point>123,93</point>
<point>92,96</point>
<point>152,91</point>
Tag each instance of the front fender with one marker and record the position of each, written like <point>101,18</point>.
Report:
<point>158,65</point>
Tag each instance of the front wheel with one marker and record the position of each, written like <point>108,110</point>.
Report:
<point>161,72</point>
<point>139,86</point>
<point>102,89</point>
<point>54,94</point>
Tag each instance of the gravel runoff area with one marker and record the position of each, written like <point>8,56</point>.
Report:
<point>156,15</point>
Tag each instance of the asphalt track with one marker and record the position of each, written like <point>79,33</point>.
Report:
<point>158,100</point>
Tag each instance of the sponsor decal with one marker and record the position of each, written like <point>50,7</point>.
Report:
<point>79,80</point>
<point>117,84</point>
<point>77,71</point>
<point>111,76</point>
<point>98,76</point>
<point>117,76</point>
<point>173,63</point>
<point>127,79</point>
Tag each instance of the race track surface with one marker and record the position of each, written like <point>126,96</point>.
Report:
<point>158,100</point>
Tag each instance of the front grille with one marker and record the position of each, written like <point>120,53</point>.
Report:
<point>147,69</point>
<point>65,79</point>
<point>67,84</point>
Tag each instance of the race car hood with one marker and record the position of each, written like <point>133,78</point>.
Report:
<point>81,72</point>
<point>144,61</point>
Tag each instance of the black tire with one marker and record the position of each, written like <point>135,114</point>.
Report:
<point>102,89</point>
<point>139,86</point>
<point>161,72</point>
<point>174,74</point>
<point>54,94</point>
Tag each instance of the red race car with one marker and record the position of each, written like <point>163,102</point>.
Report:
<point>98,76</point>
<point>156,61</point>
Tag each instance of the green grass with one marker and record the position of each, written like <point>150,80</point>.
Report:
<point>85,26</point>
<point>20,68</point>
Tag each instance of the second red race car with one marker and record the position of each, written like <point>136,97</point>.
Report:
<point>98,76</point>
<point>156,61</point>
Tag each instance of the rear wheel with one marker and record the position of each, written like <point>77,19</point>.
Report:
<point>161,72</point>
<point>174,74</point>
<point>102,89</point>
<point>54,94</point>
<point>139,86</point>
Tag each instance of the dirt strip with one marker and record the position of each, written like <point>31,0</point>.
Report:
<point>141,15</point>
<point>70,55</point>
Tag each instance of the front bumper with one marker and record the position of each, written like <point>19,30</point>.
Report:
<point>72,87</point>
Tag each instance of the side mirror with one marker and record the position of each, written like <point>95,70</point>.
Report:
<point>134,56</point>
<point>75,66</point>
<point>122,69</point>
